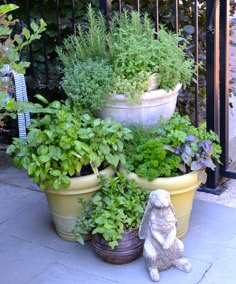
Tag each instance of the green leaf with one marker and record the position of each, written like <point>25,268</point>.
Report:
<point>10,104</point>
<point>7,8</point>
<point>105,149</point>
<point>26,33</point>
<point>55,104</point>
<point>55,173</point>
<point>41,98</point>
<point>44,158</point>
<point>31,169</point>
<point>57,184</point>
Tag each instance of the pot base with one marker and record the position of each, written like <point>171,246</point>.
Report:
<point>130,248</point>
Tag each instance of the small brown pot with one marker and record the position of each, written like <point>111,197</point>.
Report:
<point>130,247</point>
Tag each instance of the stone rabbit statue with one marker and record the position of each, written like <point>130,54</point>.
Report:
<point>162,249</point>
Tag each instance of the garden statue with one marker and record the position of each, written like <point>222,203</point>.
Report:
<point>162,249</point>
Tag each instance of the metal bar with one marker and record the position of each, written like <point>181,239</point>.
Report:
<point>212,78</point>
<point>58,21</point>
<point>224,87</point>
<point>230,174</point>
<point>120,6</point>
<point>196,61</point>
<point>157,16</point>
<point>176,10</point>
<point>106,8</point>
<point>44,45</point>
<point>73,16</point>
<point>32,70</point>
<point>138,6</point>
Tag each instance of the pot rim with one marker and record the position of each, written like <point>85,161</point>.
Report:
<point>82,183</point>
<point>149,95</point>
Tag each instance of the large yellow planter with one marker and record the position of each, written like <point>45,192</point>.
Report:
<point>64,205</point>
<point>181,189</point>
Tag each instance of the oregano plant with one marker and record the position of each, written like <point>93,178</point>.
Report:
<point>118,207</point>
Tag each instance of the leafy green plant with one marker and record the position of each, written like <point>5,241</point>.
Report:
<point>131,50</point>
<point>116,208</point>
<point>65,142</point>
<point>88,83</point>
<point>175,147</point>
<point>134,49</point>
<point>90,42</point>
<point>10,47</point>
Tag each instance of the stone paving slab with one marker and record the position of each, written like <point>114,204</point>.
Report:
<point>222,270</point>
<point>21,260</point>
<point>32,222</point>
<point>15,197</point>
<point>61,274</point>
<point>12,176</point>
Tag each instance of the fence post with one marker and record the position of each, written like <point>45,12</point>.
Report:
<point>106,8</point>
<point>212,84</point>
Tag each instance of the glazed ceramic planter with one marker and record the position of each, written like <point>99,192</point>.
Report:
<point>64,205</point>
<point>181,190</point>
<point>152,105</point>
<point>130,248</point>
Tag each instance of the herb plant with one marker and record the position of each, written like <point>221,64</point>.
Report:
<point>90,42</point>
<point>174,147</point>
<point>131,50</point>
<point>88,83</point>
<point>64,142</point>
<point>116,208</point>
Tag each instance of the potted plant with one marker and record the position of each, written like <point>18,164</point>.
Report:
<point>173,157</point>
<point>113,216</point>
<point>145,74</point>
<point>63,153</point>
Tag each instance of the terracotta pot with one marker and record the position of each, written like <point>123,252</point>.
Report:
<point>181,189</point>
<point>130,248</point>
<point>152,105</point>
<point>64,205</point>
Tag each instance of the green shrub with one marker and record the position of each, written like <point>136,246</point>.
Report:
<point>88,83</point>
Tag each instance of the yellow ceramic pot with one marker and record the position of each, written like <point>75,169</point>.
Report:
<point>181,189</point>
<point>64,205</point>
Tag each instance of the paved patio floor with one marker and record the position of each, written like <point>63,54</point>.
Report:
<point>32,253</point>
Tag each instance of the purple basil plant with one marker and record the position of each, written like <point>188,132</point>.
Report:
<point>196,155</point>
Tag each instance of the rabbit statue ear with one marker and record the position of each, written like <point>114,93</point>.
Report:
<point>143,229</point>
